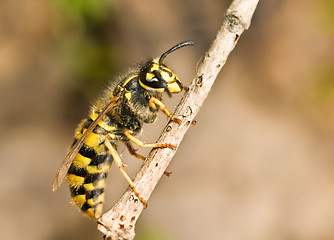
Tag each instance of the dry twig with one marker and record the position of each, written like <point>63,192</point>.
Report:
<point>119,222</point>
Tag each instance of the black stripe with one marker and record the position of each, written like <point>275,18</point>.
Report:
<point>94,193</point>
<point>108,120</point>
<point>85,207</point>
<point>91,178</point>
<point>77,191</point>
<point>100,130</point>
<point>87,123</point>
<point>74,142</point>
<point>98,203</point>
<point>87,152</point>
<point>81,172</point>
<point>100,159</point>
<point>169,72</point>
<point>95,206</point>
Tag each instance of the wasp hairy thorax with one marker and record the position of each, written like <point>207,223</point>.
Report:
<point>116,117</point>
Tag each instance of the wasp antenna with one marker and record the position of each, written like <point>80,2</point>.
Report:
<point>182,44</point>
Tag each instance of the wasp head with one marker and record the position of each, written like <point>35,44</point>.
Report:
<point>158,77</point>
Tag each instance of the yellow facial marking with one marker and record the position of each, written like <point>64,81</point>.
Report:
<point>149,76</point>
<point>166,76</point>
<point>155,66</point>
<point>174,87</point>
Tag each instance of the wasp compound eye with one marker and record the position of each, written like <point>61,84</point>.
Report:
<point>152,80</point>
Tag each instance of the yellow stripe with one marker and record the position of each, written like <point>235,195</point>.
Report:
<point>89,186</point>
<point>79,199</point>
<point>98,211</point>
<point>102,124</point>
<point>96,185</point>
<point>99,148</point>
<point>81,161</point>
<point>91,202</point>
<point>99,199</point>
<point>102,168</point>
<point>100,184</point>
<point>92,140</point>
<point>90,212</point>
<point>74,180</point>
<point>78,134</point>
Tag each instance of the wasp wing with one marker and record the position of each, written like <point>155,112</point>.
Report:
<point>62,170</point>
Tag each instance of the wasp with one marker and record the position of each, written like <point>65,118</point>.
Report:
<point>118,116</point>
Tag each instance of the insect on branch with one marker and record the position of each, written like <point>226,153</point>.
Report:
<point>119,222</point>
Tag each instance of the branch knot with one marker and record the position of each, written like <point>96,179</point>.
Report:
<point>235,25</point>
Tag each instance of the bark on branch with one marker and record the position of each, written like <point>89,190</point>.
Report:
<point>119,222</point>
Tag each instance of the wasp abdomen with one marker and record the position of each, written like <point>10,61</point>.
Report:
<point>88,171</point>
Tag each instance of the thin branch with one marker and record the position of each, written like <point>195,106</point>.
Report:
<point>119,222</point>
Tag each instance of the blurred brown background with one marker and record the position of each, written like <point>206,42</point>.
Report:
<point>259,163</point>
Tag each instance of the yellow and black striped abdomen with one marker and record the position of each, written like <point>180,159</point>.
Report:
<point>88,171</point>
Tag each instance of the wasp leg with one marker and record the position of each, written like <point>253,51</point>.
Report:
<point>167,174</point>
<point>128,134</point>
<point>120,165</point>
<point>133,151</point>
<point>163,107</point>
